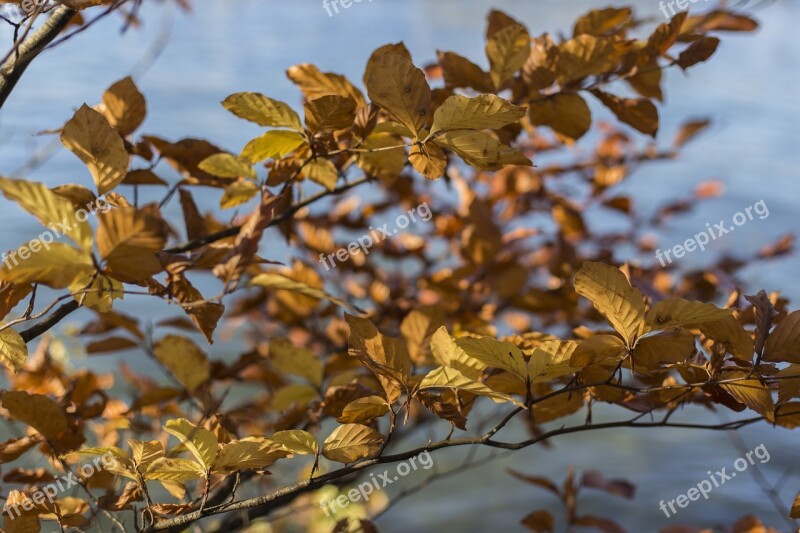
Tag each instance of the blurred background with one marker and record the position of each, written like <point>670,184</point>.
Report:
<point>185,64</point>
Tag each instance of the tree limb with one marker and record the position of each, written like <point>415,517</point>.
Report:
<point>14,66</point>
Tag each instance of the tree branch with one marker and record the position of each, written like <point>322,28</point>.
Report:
<point>269,502</point>
<point>14,66</point>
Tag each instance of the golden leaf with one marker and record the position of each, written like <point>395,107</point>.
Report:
<point>296,441</point>
<point>168,469</point>
<point>481,112</point>
<point>57,267</point>
<point>13,350</point>
<point>639,113</point>
<point>273,144</point>
<point>507,48</point>
<point>495,354</point>
<point>184,360</point>
<point>89,136</point>
<point>449,378</point>
<point>783,343</point>
<point>550,360</point>
<point>296,360</point>
<point>428,159</point>
<point>50,208</point>
<point>262,110</point>
<point>128,239</point>
<point>124,106</point>
<point>400,88</point>
<point>322,171</point>
<point>227,166</point>
<point>380,162</point>
<point>448,353</point>
<point>567,113</point>
<point>238,193</point>
<point>351,442</point>
<point>200,442</point>
<point>612,295</point>
<point>330,113</point>
<point>481,150</point>
<point>315,84</point>
<point>679,312</point>
<point>38,411</point>
<point>364,409</point>
<point>598,349</point>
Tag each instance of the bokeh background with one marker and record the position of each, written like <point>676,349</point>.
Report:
<point>185,64</point>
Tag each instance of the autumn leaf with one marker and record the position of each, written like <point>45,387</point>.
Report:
<point>89,136</point>
<point>485,111</point>
<point>262,110</point>
<point>13,350</point>
<point>36,410</point>
<point>124,106</point>
<point>200,442</point>
<point>449,378</point>
<point>399,87</point>
<point>350,442</point>
<point>612,295</point>
<point>128,239</point>
<point>184,360</point>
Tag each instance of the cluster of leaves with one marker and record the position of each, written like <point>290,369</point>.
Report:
<point>512,254</point>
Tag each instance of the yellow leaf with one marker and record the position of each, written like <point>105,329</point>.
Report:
<point>245,455</point>
<point>507,48</point>
<point>167,469</point>
<point>145,452</point>
<point>296,441</point>
<point>237,193</point>
<point>667,347</point>
<point>184,360</point>
<point>448,353</point>
<point>428,159</point>
<point>750,392</point>
<point>495,354</point>
<point>128,239</point>
<point>57,267</point>
<point>296,360</point>
<point>600,21</point>
<point>550,360</point>
<point>322,171</point>
<point>597,349</point>
<point>459,71</point>
<point>125,106</point>
<point>96,292</point>
<point>480,149</point>
<point>400,88</point>
<point>679,312</point>
<point>386,356</point>
<point>783,343</point>
<point>382,163</point>
<point>227,166</point>
<point>36,410</point>
<point>586,55</point>
<point>273,144</point>
<point>481,112</point>
<point>280,282</point>
<point>567,113</point>
<point>730,332</point>
<point>49,208</point>
<point>449,378</point>
<point>417,328</point>
<point>316,84</point>
<point>364,409</point>
<point>89,136</point>
<point>293,394</point>
<point>262,110</point>
<point>330,113</point>
<point>351,442</point>
<point>611,294</point>
<point>122,465</point>
<point>200,442</point>
<point>13,350</point>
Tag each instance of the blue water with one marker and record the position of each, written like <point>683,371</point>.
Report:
<point>749,90</point>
